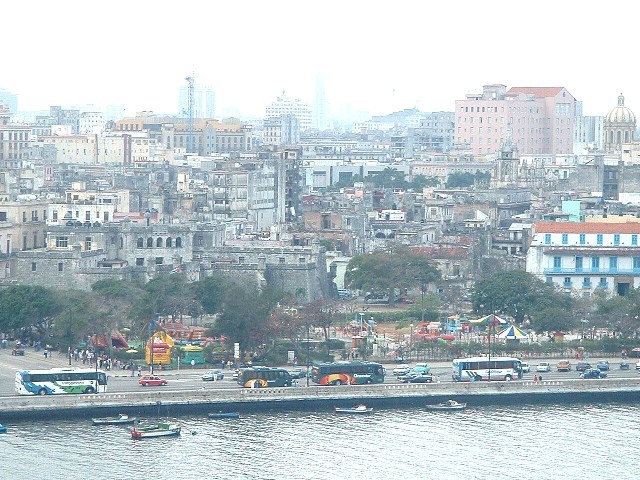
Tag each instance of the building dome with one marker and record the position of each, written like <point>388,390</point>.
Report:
<point>621,114</point>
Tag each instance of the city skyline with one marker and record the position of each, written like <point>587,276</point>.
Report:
<point>373,58</point>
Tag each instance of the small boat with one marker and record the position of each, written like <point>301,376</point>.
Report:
<point>155,430</point>
<point>358,409</point>
<point>3,429</point>
<point>448,405</point>
<point>121,419</point>
<point>224,415</point>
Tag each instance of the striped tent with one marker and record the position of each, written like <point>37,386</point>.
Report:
<point>512,333</point>
<point>489,319</point>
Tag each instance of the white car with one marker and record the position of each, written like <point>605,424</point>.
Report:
<point>638,366</point>
<point>526,368</point>
<point>543,367</point>
<point>401,370</point>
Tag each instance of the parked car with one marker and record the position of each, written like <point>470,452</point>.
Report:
<point>543,367</point>
<point>593,373</point>
<point>298,372</point>
<point>402,369</point>
<point>422,378</point>
<point>152,380</point>
<point>213,375</point>
<point>563,366</point>
<point>526,368</point>
<point>602,365</point>
<point>638,366</point>
<point>582,366</point>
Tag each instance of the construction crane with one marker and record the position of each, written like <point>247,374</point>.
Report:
<point>190,80</point>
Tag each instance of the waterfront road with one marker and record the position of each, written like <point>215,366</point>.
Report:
<point>189,378</point>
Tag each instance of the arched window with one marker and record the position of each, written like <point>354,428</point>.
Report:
<point>610,136</point>
<point>626,136</point>
<point>122,242</point>
<point>618,138</point>
<point>168,242</point>
<point>178,242</point>
<point>150,242</point>
<point>159,242</point>
<point>140,242</point>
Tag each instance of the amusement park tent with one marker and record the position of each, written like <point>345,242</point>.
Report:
<point>512,333</point>
<point>488,319</point>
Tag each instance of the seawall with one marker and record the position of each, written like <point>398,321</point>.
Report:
<point>178,402</point>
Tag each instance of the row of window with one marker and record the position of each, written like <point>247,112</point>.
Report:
<point>582,240</point>
<point>595,263</point>
<point>168,242</point>
<point>586,282</point>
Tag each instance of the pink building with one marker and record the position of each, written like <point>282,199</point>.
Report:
<point>538,119</point>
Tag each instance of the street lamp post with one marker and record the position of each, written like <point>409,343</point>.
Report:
<point>423,289</point>
<point>410,340</point>
<point>492,326</point>
<point>308,351</point>
<point>583,322</point>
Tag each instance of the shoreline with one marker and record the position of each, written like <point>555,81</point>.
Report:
<point>184,402</point>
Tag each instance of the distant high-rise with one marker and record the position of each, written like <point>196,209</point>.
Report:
<point>290,106</point>
<point>539,119</point>
<point>10,100</point>
<point>320,105</point>
<point>204,101</point>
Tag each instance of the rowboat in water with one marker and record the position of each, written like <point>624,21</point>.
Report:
<point>447,406</point>
<point>122,419</point>
<point>358,409</point>
<point>155,430</point>
<point>3,429</point>
<point>224,415</point>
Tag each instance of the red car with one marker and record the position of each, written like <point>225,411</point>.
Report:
<point>152,380</point>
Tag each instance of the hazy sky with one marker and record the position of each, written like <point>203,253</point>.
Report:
<point>377,56</point>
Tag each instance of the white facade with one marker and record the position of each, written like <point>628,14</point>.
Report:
<point>291,106</point>
<point>90,123</point>
<point>582,257</point>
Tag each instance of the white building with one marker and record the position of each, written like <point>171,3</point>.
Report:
<point>291,106</point>
<point>582,257</point>
<point>90,123</point>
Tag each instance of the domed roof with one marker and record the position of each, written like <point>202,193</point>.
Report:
<point>620,114</point>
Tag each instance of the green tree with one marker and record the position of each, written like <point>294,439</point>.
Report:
<point>519,294</point>
<point>211,291</point>
<point>388,178</point>
<point>420,181</point>
<point>28,307</point>
<point>246,316</point>
<point>383,272</point>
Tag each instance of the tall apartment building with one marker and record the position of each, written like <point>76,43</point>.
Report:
<point>285,105</point>
<point>539,120</point>
<point>282,130</point>
<point>90,122</point>
<point>582,257</point>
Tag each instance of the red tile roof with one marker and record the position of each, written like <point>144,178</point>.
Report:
<point>537,91</point>
<point>587,227</point>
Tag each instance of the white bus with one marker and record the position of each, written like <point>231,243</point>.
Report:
<point>60,380</point>
<point>485,368</point>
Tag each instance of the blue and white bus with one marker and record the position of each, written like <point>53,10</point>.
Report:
<point>60,380</point>
<point>484,368</point>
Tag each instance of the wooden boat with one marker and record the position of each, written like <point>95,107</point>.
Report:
<point>3,429</point>
<point>448,405</point>
<point>357,409</point>
<point>121,419</point>
<point>224,415</point>
<point>155,430</point>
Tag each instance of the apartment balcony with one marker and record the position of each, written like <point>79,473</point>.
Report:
<point>592,271</point>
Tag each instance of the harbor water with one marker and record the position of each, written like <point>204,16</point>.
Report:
<point>586,441</point>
